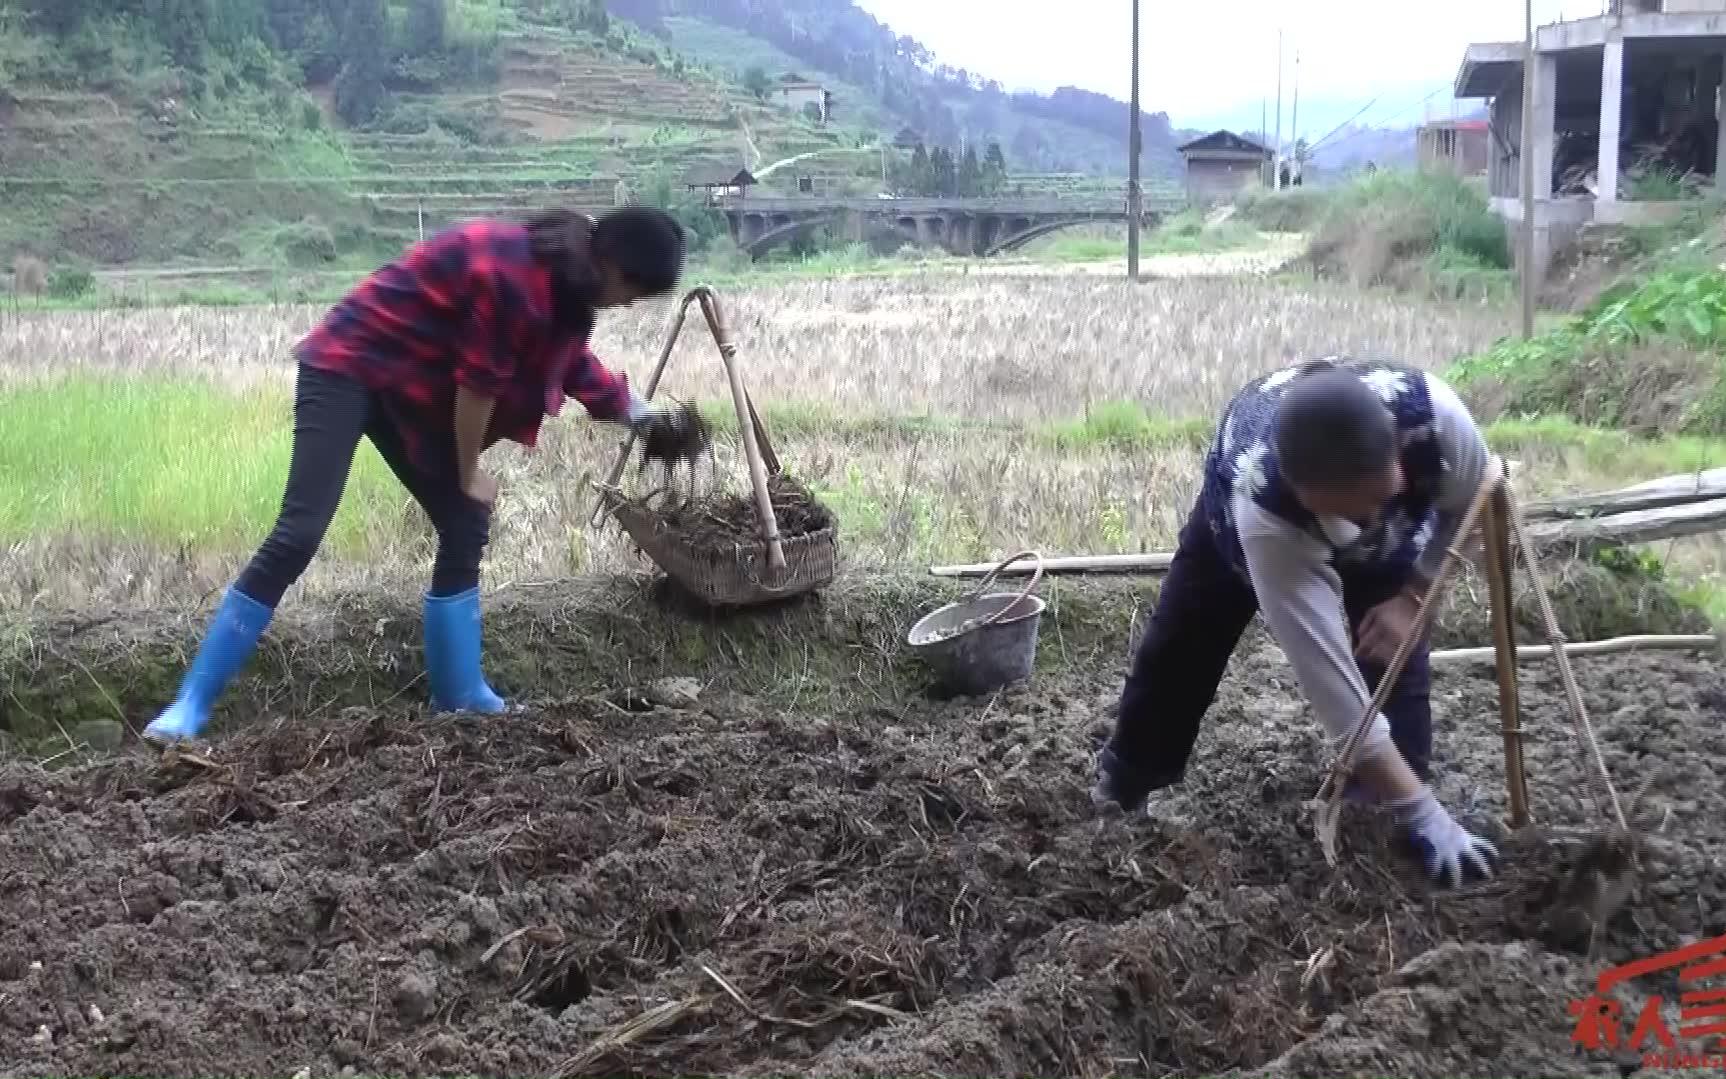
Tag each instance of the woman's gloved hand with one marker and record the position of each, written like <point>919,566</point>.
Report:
<point>669,433</point>
<point>1446,847</point>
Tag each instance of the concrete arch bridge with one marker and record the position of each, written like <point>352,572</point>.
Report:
<point>977,227</point>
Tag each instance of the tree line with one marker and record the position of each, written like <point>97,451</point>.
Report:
<point>939,174</point>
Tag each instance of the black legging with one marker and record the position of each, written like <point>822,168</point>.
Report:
<point>331,413</point>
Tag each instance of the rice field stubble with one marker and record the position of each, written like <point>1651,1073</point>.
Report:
<point>943,417</point>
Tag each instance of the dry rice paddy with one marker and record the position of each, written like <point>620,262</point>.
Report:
<point>944,417</point>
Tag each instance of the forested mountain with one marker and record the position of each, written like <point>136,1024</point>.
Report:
<point>943,104</point>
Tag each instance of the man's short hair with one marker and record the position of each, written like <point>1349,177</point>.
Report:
<point>1332,431</point>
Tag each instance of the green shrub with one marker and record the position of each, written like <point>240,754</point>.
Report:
<point>1648,355</point>
<point>1294,209</point>
<point>307,242</point>
<point>1385,226</point>
<point>71,283</point>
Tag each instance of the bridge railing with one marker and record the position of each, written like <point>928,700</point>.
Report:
<point>1036,206</point>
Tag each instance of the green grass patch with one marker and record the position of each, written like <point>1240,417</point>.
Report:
<point>1606,450</point>
<point>1125,425</point>
<point>1450,214</point>
<point>192,464</point>
<point>1186,233</point>
<point>175,463</point>
<point>1111,425</point>
<point>808,419</point>
<point>1182,234</point>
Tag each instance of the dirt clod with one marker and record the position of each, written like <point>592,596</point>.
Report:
<point>415,997</point>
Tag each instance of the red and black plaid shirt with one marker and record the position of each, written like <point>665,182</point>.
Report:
<point>470,307</point>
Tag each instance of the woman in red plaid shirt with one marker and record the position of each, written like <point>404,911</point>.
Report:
<point>474,335</point>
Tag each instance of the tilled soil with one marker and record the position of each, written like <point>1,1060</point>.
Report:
<point>726,888</point>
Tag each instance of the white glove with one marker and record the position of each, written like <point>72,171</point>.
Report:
<point>638,411</point>
<point>1444,843</point>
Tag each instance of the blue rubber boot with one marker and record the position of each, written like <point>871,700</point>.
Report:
<point>452,655</point>
<point>228,644</point>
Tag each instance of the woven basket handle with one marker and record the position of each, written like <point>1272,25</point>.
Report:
<point>711,311</point>
<point>628,444</point>
<point>754,435</point>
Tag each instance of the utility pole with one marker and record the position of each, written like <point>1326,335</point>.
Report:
<point>1264,123</point>
<point>1134,202</point>
<point>1294,121</point>
<point>1277,153</point>
<point>1527,153</point>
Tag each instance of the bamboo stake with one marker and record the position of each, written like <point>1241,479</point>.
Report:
<point>1500,582</point>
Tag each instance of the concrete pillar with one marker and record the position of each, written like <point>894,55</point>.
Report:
<point>1545,120</point>
<point>1720,135</point>
<point>1611,102</point>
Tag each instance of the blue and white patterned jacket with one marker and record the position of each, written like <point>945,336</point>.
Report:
<point>1243,460</point>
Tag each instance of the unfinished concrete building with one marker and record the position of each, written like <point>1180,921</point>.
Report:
<point>1619,99</point>
<point>1460,146</point>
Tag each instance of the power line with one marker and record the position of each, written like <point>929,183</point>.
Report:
<point>1332,132</point>
<point>1380,124</point>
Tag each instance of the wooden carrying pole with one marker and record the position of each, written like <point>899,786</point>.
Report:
<point>1555,638</point>
<point>1504,535</point>
<point>1331,790</point>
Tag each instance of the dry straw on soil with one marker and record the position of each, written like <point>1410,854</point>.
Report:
<point>874,885</point>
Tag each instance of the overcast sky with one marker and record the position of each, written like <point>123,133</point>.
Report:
<point>1207,63</point>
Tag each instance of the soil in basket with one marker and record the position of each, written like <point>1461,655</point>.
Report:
<point>732,519</point>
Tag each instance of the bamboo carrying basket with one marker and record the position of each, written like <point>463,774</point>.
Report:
<point>773,567</point>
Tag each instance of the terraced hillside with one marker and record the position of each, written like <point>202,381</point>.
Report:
<point>578,122</point>
<point>237,166</point>
<point>88,178</point>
